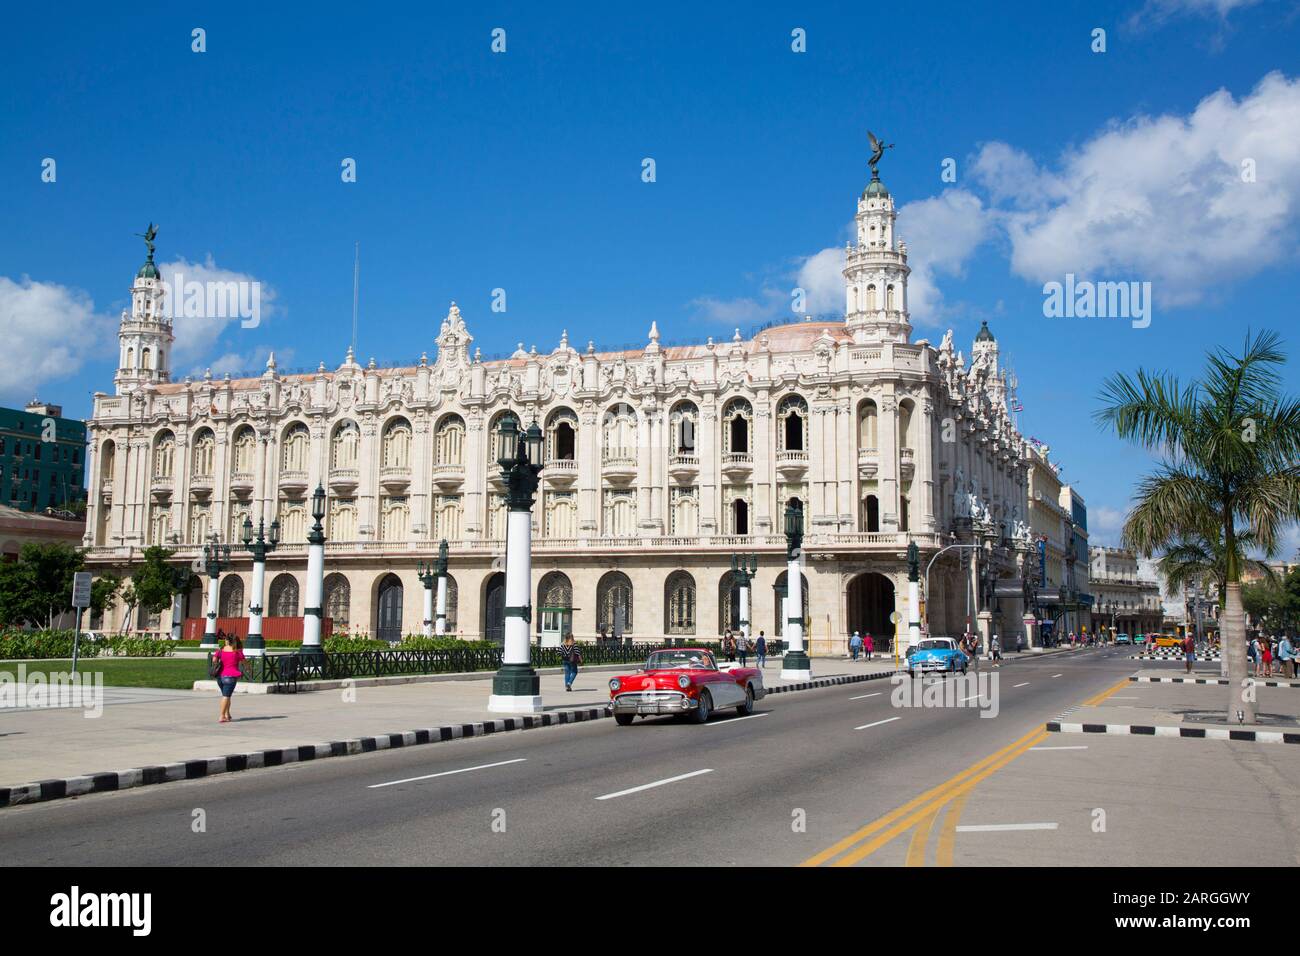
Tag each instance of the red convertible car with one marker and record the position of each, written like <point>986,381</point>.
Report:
<point>684,681</point>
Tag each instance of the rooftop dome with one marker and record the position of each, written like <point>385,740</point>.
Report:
<point>875,189</point>
<point>148,270</point>
<point>984,335</point>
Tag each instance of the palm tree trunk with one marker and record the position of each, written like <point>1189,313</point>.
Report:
<point>1232,642</point>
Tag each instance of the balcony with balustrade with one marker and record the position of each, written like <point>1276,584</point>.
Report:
<point>560,473</point>
<point>683,468</point>
<point>449,475</point>
<point>293,481</point>
<point>344,481</point>
<point>395,478</point>
<point>737,466</point>
<point>619,466</point>
<point>868,463</point>
<point>791,465</point>
<point>201,487</point>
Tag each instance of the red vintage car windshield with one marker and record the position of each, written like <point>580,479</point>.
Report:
<point>681,660</point>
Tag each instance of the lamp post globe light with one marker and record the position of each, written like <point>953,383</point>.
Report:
<point>743,570</point>
<point>795,665</point>
<point>516,687</point>
<point>312,613</point>
<point>259,545</point>
<point>216,558</point>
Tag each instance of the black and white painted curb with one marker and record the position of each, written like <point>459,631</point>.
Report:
<point>1180,656</point>
<point>1210,680</point>
<point>1201,733</point>
<point>57,789</point>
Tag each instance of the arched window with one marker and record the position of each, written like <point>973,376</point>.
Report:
<point>903,507</point>
<point>618,433</point>
<point>164,453</point>
<point>740,516</point>
<point>561,515</point>
<point>871,305</point>
<point>200,522</point>
<point>737,422</point>
<point>729,603</point>
<point>245,451</point>
<point>867,426</point>
<point>297,442</point>
<point>905,435</point>
<point>397,444</point>
<point>449,442</point>
<point>145,359</point>
<point>792,419</point>
<point>204,453</point>
<point>293,521</point>
<point>284,596</point>
<point>554,592</point>
<point>871,513</point>
<point>684,421</point>
<point>780,591</point>
<point>562,436</point>
<point>232,597</point>
<point>394,518</point>
<point>679,603</point>
<point>889,298</point>
<point>338,601</point>
<point>620,513</point>
<point>345,446</point>
<point>239,510</point>
<point>446,517</point>
<point>107,462</point>
<point>343,519</point>
<point>160,527</point>
<point>686,512</point>
<point>614,602</point>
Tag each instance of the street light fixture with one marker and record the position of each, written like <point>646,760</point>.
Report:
<point>313,613</point>
<point>795,665</point>
<point>259,545</point>
<point>216,558</point>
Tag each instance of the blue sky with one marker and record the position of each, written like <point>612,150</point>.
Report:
<point>522,171</point>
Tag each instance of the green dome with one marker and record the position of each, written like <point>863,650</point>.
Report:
<point>875,189</point>
<point>984,335</point>
<point>148,270</point>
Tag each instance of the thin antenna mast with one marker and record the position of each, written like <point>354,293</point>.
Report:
<point>356,288</point>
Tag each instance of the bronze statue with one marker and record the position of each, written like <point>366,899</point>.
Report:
<point>877,151</point>
<point>148,236</point>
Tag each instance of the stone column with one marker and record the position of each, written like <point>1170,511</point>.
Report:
<point>516,688</point>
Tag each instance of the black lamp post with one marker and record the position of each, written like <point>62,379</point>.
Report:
<point>216,558</point>
<point>259,545</point>
<point>744,568</point>
<point>516,686</point>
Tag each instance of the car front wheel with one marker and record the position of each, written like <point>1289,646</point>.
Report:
<point>624,720</point>
<point>701,713</point>
<point>748,706</point>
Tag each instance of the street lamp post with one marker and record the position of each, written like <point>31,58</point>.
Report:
<point>428,573</point>
<point>913,594</point>
<point>743,570</point>
<point>180,590</point>
<point>313,612</point>
<point>795,665</point>
<point>259,545</point>
<point>216,558</point>
<point>516,688</point>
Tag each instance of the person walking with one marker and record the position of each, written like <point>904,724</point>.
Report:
<point>1189,650</point>
<point>760,650</point>
<point>227,663</point>
<point>1286,654</point>
<point>1267,648</point>
<point>742,647</point>
<point>1020,643</point>
<point>571,657</point>
<point>995,647</point>
<point>855,645</point>
<point>869,645</point>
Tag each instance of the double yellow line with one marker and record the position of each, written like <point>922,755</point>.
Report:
<point>922,811</point>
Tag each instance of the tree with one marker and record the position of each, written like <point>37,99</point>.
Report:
<point>103,593</point>
<point>130,599</point>
<point>38,586</point>
<point>1229,448</point>
<point>153,581</point>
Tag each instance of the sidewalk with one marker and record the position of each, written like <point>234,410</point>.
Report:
<point>141,727</point>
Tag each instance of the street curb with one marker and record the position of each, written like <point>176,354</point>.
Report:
<point>57,789</point>
<point>1211,659</point>
<point>1202,733</point>
<point>1209,680</point>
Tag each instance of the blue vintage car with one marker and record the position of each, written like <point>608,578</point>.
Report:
<point>936,654</point>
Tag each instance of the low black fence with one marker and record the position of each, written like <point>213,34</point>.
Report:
<point>288,670</point>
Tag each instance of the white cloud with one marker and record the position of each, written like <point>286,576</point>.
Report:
<point>1161,199</point>
<point>196,337</point>
<point>1105,524</point>
<point>235,363</point>
<point>821,276</point>
<point>941,233</point>
<point>50,331</point>
<point>1158,11</point>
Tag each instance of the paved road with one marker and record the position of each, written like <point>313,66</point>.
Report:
<point>730,792</point>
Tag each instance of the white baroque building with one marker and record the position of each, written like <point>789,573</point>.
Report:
<point>660,463</point>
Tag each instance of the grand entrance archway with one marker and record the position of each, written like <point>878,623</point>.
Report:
<point>494,608</point>
<point>870,602</point>
<point>389,624</point>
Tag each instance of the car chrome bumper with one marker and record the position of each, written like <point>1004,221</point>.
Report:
<point>659,702</point>
<point>931,666</point>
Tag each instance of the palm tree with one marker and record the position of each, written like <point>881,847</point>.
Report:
<point>1230,452</point>
<point>1201,560</point>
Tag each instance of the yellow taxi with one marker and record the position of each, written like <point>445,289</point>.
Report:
<point>1167,640</point>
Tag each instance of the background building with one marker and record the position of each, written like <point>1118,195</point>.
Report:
<point>42,459</point>
<point>1126,602</point>
<point>660,463</point>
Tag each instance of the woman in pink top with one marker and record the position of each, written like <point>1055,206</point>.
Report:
<point>230,656</point>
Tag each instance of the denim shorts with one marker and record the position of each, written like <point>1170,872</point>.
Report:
<point>227,685</point>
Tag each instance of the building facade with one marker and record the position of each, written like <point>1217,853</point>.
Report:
<point>42,459</point>
<point>660,463</point>
<point>1127,602</point>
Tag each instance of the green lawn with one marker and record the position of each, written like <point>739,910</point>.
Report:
<point>165,672</point>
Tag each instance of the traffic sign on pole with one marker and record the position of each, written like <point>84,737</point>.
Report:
<point>80,601</point>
